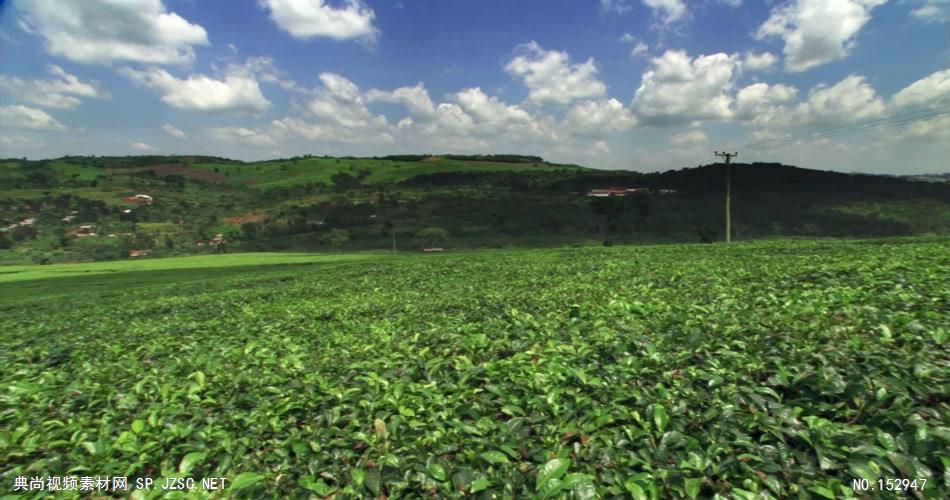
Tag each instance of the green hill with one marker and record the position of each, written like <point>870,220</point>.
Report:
<point>481,201</point>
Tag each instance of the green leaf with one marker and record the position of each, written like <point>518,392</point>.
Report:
<point>635,490</point>
<point>660,417</point>
<point>581,485</point>
<point>138,426</point>
<point>479,485</point>
<point>863,471</point>
<point>495,457</point>
<point>189,461</point>
<point>692,485</point>
<point>554,469</point>
<point>358,476</point>
<point>437,471</point>
<point>821,490</point>
<point>244,480</point>
<point>317,486</point>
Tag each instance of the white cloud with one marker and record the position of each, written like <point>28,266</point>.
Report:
<point>934,90</point>
<point>680,89</point>
<point>757,62</point>
<point>62,91</point>
<point>340,114</point>
<point>415,99</point>
<point>26,117</point>
<point>18,142</point>
<point>265,70</point>
<point>691,138</point>
<point>600,148</point>
<point>340,103</point>
<point>667,11</point>
<point>172,131</point>
<point>931,130</point>
<point>933,11</point>
<point>102,31</point>
<point>637,47</point>
<point>764,104</point>
<point>816,32</point>
<point>141,147</point>
<point>237,93</point>
<point>616,6</point>
<point>240,135</point>
<point>550,76</point>
<point>594,118</point>
<point>851,99</point>
<point>306,19</point>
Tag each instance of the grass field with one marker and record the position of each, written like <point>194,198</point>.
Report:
<point>762,370</point>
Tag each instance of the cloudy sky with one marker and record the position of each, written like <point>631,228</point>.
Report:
<point>635,84</point>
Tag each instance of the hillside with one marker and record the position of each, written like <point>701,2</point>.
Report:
<point>78,208</point>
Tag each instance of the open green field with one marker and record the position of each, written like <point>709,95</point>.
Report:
<point>780,369</point>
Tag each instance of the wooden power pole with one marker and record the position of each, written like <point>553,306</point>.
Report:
<point>728,157</point>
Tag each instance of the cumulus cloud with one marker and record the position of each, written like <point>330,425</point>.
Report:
<point>62,91</point>
<point>932,11</point>
<point>594,118</point>
<point>237,93</point>
<point>637,47</point>
<point>265,70</point>
<point>337,113</point>
<point>667,11</point>
<point>764,104</point>
<point>616,6</point>
<point>850,99</point>
<point>600,148</point>
<point>933,90</point>
<point>817,32</point>
<point>26,117</point>
<point>172,131</point>
<point>18,142</point>
<point>691,138</point>
<point>240,135</point>
<point>141,147</point>
<point>933,129</point>
<point>306,19</point>
<point>103,31</point>
<point>550,76</point>
<point>759,62</point>
<point>680,89</point>
<point>415,99</point>
<point>340,103</point>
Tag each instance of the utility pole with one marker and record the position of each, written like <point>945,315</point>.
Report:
<point>728,157</point>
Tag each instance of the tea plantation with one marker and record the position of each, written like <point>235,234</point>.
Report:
<point>761,370</point>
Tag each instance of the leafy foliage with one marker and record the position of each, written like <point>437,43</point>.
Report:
<point>772,370</point>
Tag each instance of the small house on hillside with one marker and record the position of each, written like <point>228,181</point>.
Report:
<point>139,253</point>
<point>139,199</point>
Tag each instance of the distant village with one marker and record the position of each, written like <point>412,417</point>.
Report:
<point>89,230</point>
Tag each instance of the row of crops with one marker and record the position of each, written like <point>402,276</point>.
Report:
<point>761,370</point>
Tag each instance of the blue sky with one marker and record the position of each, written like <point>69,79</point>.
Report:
<point>635,84</point>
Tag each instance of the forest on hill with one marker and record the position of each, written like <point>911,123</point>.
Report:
<point>84,208</point>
